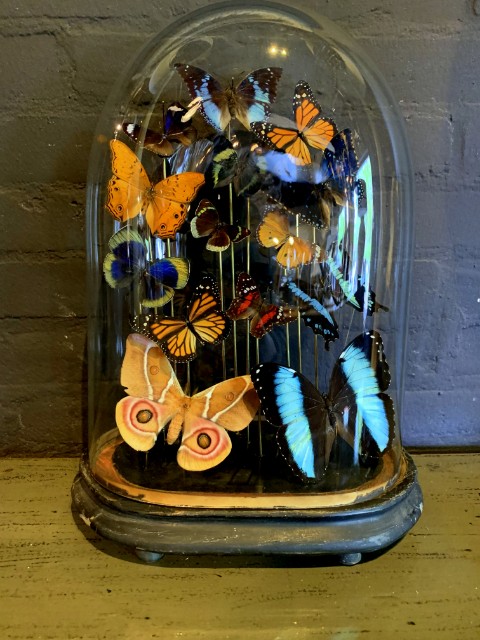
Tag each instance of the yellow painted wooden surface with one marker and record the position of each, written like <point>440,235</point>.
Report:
<point>59,581</point>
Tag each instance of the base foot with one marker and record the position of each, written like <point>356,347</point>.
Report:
<point>350,559</point>
<point>149,556</point>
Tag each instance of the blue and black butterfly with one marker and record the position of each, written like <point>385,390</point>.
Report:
<point>249,101</point>
<point>311,421</point>
<point>127,263</point>
<point>315,315</point>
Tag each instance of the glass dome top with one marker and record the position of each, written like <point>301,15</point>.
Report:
<point>249,243</point>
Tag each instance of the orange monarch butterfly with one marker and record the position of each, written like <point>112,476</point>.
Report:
<point>130,192</point>
<point>312,130</point>
<point>204,321</point>
<point>155,399</point>
<point>274,231</point>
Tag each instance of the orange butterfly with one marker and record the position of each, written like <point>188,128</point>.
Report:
<point>205,321</point>
<point>130,193</point>
<point>274,231</point>
<point>312,130</point>
<point>155,398</point>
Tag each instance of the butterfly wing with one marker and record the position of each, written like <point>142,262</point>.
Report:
<point>167,204</point>
<point>340,164</point>
<point>255,94</point>
<point>154,393</point>
<point>360,377</point>
<point>129,186</point>
<point>290,401</point>
<point>205,221</point>
<point>126,260</point>
<point>230,405</point>
<point>283,139</point>
<point>314,129</point>
<point>154,141</point>
<point>214,102</point>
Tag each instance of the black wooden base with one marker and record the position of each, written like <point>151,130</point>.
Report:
<point>348,532</point>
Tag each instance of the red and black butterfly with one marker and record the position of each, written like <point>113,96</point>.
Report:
<point>250,304</point>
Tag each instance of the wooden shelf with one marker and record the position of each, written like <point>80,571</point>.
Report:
<point>59,580</point>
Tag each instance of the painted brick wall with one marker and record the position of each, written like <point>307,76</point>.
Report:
<point>59,60</point>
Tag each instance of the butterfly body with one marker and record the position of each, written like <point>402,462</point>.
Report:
<point>312,130</point>
<point>156,399</point>
<point>263,316</point>
<point>249,100</point>
<point>312,420</point>
<point>130,193</point>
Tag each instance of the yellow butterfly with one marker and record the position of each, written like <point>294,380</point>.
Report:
<point>156,399</point>
<point>274,231</point>
<point>130,192</point>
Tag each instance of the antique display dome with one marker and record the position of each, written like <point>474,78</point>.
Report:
<point>249,236</point>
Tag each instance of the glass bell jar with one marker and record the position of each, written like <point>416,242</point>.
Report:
<point>249,243</point>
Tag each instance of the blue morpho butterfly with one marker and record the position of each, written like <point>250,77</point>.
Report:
<point>249,101</point>
<point>127,263</point>
<point>312,420</point>
<point>315,315</point>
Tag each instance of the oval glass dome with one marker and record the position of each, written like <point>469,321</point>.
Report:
<point>249,243</point>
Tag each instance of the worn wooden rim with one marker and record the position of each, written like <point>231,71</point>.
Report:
<point>105,472</point>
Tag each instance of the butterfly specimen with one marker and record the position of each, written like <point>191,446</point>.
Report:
<point>340,165</point>
<point>312,420</point>
<point>204,322</point>
<point>163,142</point>
<point>274,231</point>
<point>248,101</point>
<point>220,234</point>
<point>155,399</point>
<point>127,263</point>
<point>311,129</point>
<point>315,315</point>
<point>249,304</point>
<point>130,193</point>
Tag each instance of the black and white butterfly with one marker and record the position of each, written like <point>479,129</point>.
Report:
<point>311,421</point>
<point>249,101</point>
<point>315,315</point>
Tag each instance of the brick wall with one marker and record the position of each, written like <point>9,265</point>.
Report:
<point>59,60</point>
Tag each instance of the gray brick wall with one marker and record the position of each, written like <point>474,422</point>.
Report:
<point>59,60</point>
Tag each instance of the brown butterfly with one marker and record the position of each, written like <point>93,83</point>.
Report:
<point>156,399</point>
<point>220,234</point>
<point>248,101</point>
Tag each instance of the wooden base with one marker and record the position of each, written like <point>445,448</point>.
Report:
<point>347,531</point>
